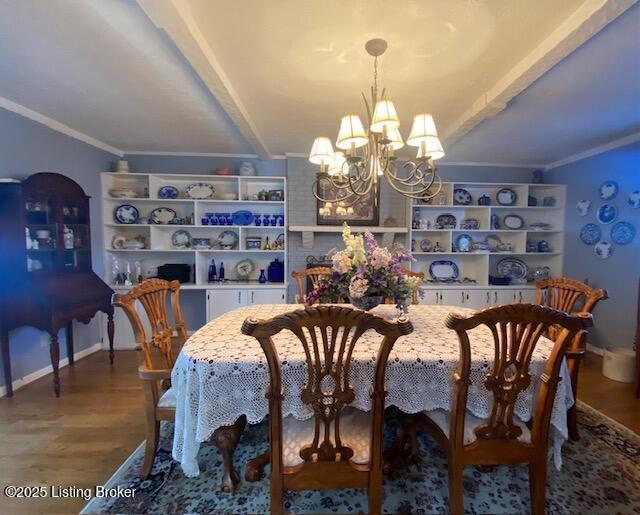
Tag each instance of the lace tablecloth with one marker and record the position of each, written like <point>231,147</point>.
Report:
<point>221,374</point>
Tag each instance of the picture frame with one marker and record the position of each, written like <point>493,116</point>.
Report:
<point>275,195</point>
<point>366,211</point>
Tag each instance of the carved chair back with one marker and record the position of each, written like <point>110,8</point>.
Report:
<point>152,295</point>
<point>328,335</point>
<point>315,275</point>
<point>414,296</point>
<point>516,330</point>
<point>568,295</point>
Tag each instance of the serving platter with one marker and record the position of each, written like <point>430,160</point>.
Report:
<point>162,215</point>
<point>444,271</point>
<point>513,221</point>
<point>514,268</point>
<point>181,239</point>
<point>199,191</point>
<point>461,197</point>
<point>506,197</point>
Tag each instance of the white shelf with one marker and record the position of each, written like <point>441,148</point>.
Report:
<point>249,285</point>
<point>338,229</point>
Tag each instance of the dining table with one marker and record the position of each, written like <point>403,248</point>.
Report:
<point>220,378</point>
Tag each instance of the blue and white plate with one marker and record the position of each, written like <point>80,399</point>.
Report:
<point>607,213</point>
<point>513,221</point>
<point>228,240</point>
<point>603,249</point>
<point>168,192</point>
<point>162,215</point>
<point>622,233</point>
<point>444,271</point>
<point>634,199</point>
<point>590,234</point>
<point>181,239</point>
<point>608,190</point>
<point>461,197</point>
<point>126,214</point>
<point>463,243</point>
<point>506,197</point>
<point>242,218</point>
<point>583,207</point>
<point>514,268</point>
<point>199,191</point>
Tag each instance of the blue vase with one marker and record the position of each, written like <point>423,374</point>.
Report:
<point>257,220</point>
<point>263,278</point>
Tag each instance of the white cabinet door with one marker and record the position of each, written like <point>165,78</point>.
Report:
<point>221,301</point>
<point>452,297</point>
<point>430,297</point>
<point>527,296</point>
<point>477,299</point>
<point>266,296</point>
<point>502,296</point>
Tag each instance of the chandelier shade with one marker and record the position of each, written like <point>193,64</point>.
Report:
<point>321,151</point>
<point>368,155</point>
<point>352,134</point>
<point>384,117</point>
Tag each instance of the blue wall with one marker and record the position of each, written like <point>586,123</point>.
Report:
<point>615,319</point>
<point>27,147</point>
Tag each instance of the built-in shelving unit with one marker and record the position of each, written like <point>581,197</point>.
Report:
<point>478,265</point>
<point>159,249</point>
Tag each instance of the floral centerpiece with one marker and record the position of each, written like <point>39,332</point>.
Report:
<point>366,274</point>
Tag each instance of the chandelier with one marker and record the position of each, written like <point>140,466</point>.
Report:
<point>364,156</point>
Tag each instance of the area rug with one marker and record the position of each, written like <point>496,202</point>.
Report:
<point>601,474</point>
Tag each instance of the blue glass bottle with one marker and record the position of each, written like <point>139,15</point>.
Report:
<point>221,272</point>
<point>263,278</point>
<point>213,273</point>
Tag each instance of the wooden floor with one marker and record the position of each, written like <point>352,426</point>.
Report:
<point>81,438</point>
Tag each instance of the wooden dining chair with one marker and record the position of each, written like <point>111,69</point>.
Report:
<point>416,290</point>
<point>340,447</point>
<point>156,353</point>
<point>570,296</point>
<point>502,439</point>
<point>315,276</point>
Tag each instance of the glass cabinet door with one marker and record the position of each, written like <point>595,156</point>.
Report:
<point>75,236</point>
<point>41,234</point>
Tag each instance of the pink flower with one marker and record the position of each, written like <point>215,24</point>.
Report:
<point>358,287</point>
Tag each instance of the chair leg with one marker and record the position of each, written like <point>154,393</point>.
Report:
<point>537,485</point>
<point>456,489</point>
<point>150,448</point>
<point>375,500</point>
<point>276,497</point>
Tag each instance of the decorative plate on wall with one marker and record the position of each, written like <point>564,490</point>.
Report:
<point>634,199</point>
<point>622,233</point>
<point>461,197</point>
<point>244,269</point>
<point>228,240</point>
<point>444,271</point>
<point>168,192</point>
<point>608,190</point>
<point>126,214</point>
<point>603,249</point>
<point>607,213</point>
<point>590,234</point>
<point>162,215</point>
<point>583,207</point>
<point>506,197</point>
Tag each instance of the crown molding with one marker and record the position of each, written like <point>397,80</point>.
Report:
<point>584,23</point>
<point>57,126</point>
<point>529,166</point>
<point>620,142</point>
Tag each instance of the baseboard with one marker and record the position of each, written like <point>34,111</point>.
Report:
<point>34,376</point>
<point>596,350</point>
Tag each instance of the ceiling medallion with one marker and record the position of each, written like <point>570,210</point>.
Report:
<point>365,155</point>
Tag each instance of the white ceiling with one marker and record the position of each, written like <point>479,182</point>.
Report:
<point>249,76</point>
<point>589,99</point>
<point>102,68</point>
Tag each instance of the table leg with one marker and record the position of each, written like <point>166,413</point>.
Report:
<point>54,351</point>
<point>226,440</point>
<point>255,467</point>
<point>6,362</point>
<point>69,333</point>
<point>110,330</point>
